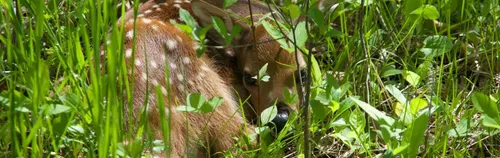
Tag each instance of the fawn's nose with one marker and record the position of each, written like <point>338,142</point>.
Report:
<point>282,116</point>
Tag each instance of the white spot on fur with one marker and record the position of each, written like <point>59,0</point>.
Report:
<point>148,12</point>
<point>180,77</point>
<point>195,46</point>
<point>191,83</point>
<point>178,38</point>
<point>144,76</point>
<point>164,4</point>
<point>156,6</point>
<point>155,82</point>
<point>200,76</point>
<point>177,5</point>
<point>163,90</point>
<point>130,34</point>
<point>170,82</point>
<point>173,66</point>
<point>137,62</point>
<point>140,15</point>
<point>171,44</point>
<point>102,53</point>
<point>153,64</point>
<point>178,1</point>
<point>205,68</point>
<point>146,20</point>
<point>186,60</point>
<point>128,53</point>
<point>181,87</point>
<point>158,9</point>
<point>162,58</point>
<point>154,27</point>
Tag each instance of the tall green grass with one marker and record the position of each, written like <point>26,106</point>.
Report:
<point>427,83</point>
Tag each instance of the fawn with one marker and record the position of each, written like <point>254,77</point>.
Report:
<point>160,44</point>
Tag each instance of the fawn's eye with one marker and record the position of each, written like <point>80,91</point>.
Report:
<point>303,75</point>
<point>249,80</point>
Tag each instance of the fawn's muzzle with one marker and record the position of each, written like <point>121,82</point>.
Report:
<point>282,116</point>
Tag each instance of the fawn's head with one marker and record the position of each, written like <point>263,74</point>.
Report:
<point>256,48</point>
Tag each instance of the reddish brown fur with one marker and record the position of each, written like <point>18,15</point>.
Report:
<point>160,44</point>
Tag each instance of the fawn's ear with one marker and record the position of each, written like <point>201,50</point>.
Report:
<point>204,11</point>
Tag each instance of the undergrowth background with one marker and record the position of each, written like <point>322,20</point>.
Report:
<point>394,78</point>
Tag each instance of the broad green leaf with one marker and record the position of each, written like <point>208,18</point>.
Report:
<point>415,134</point>
<point>396,93</point>
<point>220,27</point>
<point>262,76</point>
<point>417,104</point>
<point>228,3</point>
<point>485,104</point>
<point>391,72</point>
<point>424,68</point>
<point>211,105</point>
<point>411,5</point>
<point>195,100</point>
<point>398,108</point>
<point>317,17</point>
<point>289,98</point>
<point>490,122</point>
<point>319,110</point>
<point>185,108</point>
<point>334,105</point>
<point>427,11</point>
<point>294,11</point>
<point>379,116</point>
<point>300,35</point>
<point>334,33</point>
<point>436,45</point>
<point>276,34</point>
<point>411,77</point>
<point>315,73</point>
<point>461,129</point>
<point>268,114</point>
<point>187,18</point>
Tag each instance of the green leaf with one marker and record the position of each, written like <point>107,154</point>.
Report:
<point>391,72</point>
<point>461,129</point>
<point>319,110</point>
<point>315,72</point>
<point>379,116</point>
<point>396,93</point>
<point>427,11</point>
<point>195,100</point>
<point>228,3</point>
<point>276,34</point>
<point>211,105</point>
<point>289,98</point>
<point>300,34</point>
<point>262,76</point>
<point>187,18</point>
<point>415,134</point>
<point>268,114</point>
<point>411,5</point>
<point>486,105</point>
<point>490,122</point>
<point>294,11</point>
<point>220,27</point>
<point>317,17</point>
<point>334,33</point>
<point>436,45</point>
<point>411,77</point>
<point>186,108</point>
<point>417,104</point>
